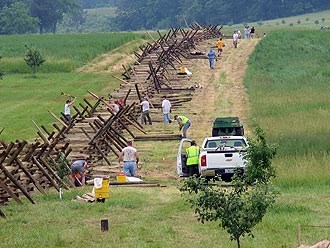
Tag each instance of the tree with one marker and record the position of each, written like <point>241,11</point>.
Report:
<point>15,19</point>
<point>50,12</point>
<point>240,208</point>
<point>33,58</point>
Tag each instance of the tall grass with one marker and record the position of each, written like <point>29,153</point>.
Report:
<point>288,85</point>
<point>62,52</point>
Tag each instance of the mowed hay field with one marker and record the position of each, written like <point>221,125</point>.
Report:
<point>23,98</point>
<point>286,82</point>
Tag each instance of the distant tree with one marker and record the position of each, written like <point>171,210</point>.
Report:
<point>50,12</point>
<point>260,23</point>
<point>323,19</point>
<point>4,3</point>
<point>241,207</point>
<point>316,21</point>
<point>298,21</point>
<point>33,58</point>
<point>15,19</point>
<point>283,21</point>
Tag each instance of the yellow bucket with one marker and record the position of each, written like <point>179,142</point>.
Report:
<point>121,177</point>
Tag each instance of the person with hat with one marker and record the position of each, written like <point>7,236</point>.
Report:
<point>184,124</point>
<point>192,158</point>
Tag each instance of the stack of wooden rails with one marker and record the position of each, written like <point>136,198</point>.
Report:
<point>96,133</point>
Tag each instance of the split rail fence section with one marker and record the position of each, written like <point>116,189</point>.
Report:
<point>96,133</point>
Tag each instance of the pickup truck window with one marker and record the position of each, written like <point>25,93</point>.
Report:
<point>225,143</point>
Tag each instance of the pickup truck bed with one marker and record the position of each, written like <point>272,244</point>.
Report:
<point>221,155</point>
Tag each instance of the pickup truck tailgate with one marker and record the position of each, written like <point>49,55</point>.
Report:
<point>224,159</point>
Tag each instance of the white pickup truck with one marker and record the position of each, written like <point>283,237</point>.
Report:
<point>219,156</point>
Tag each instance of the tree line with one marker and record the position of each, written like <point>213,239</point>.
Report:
<point>40,16</point>
<point>157,14</point>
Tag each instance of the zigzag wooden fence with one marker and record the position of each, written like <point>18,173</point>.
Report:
<point>96,133</point>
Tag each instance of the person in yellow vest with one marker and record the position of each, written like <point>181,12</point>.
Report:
<point>184,124</point>
<point>192,158</point>
<point>220,45</point>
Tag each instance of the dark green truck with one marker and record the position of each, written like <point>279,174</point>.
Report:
<point>227,126</point>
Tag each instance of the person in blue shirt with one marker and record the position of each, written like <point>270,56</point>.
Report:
<point>212,56</point>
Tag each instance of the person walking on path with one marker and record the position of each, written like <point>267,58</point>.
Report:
<point>252,32</point>
<point>184,124</point>
<point>211,55</point>
<point>220,45</point>
<point>67,106</point>
<point>130,156</point>
<point>145,112</point>
<point>78,172</point>
<point>235,39</point>
<point>192,158</point>
<point>166,108</point>
<point>246,32</point>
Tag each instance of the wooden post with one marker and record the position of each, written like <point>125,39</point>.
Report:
<point>2,214</point>
<point>104,225</point>
<point>17,184</point>
<point>58,119</point>
<point>10,192</point>
<point>44,172</point>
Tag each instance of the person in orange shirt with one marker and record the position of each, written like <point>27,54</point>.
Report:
<point>220,45</point>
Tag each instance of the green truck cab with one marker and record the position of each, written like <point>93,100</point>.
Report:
<point>227,126</point>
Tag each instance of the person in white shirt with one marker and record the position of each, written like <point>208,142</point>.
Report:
<point>67,113</point>
<point>145,112</point>
<point>115,107</point>
<point>166,107</point>
<point>235,39</point>
<point>130,157</point>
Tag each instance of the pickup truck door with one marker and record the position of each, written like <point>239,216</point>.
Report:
<point>182,157</point>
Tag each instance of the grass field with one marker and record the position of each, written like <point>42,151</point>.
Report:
<point>287,85</point>
<point>311,21</point>
<point>63,53</point>
<point>23,98</point>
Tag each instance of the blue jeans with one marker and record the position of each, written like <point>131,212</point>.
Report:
<point>211,63</point>
<point>166,118</point>
<point>130,168</point>
<point>185,128</point>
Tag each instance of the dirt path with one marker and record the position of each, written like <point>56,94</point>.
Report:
<point>222,94</point>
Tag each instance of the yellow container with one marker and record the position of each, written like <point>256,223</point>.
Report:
<point>104,191</point>
<point>121,177</point>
